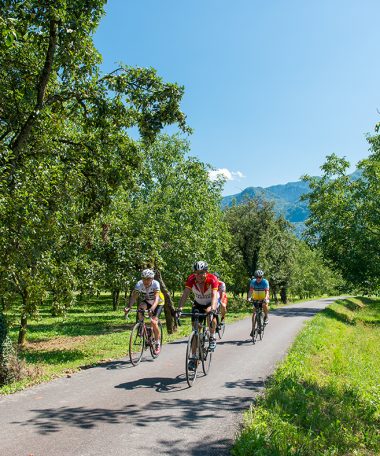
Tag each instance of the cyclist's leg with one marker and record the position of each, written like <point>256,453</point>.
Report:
<point>154,324</point>
<point>196,308</point>
<point>223,310</point>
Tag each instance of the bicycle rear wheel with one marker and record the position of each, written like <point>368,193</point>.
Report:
<point>205,353</point>
<point>136,343</point>
<point>153,341</point>
<point>191,373</point>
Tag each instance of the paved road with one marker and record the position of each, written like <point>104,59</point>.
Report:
<point>116,409</point>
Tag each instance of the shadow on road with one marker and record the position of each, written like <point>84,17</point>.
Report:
<point>295,311</point>
<point>179,412</point>
<point>160,384</point>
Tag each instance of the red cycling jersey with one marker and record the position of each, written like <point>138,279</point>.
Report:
<point>202,292</point>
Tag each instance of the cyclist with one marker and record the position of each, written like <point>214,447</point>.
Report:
<point>259,290</point>
<point>222,299</point>
<point>151,299</point>
<point>204,287</point>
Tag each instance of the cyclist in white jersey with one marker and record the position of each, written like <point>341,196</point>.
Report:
<point>151,299</point>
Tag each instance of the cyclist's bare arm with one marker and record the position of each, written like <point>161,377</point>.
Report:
<point>132,300</point>
<point>214,300</point>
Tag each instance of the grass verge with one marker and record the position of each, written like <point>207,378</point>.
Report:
<point>324,399</point>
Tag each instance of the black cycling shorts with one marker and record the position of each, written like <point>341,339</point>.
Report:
<point>201,309</point>
<point>157,310</point>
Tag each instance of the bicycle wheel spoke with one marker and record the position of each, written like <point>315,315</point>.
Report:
<point>136,344</point>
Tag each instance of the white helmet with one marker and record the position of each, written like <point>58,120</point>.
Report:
<point>147,274</point>
<point>259,273</point>
<point>200,266</point>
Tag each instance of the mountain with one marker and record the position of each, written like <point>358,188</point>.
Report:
<point>286,199</point>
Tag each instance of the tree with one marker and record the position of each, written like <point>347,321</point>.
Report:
<point>260,239</point>
<point>344,217</point>
<point>64,143</point>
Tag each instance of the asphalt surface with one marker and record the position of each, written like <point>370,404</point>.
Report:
<point>116,409</point>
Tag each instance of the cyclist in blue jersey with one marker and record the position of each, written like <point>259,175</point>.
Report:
<point>259,291</point>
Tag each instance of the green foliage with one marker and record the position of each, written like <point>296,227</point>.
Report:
<point>65,151</point>
<point>344,220</point>
<point>324,398</point>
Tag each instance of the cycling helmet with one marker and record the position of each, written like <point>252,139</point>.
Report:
<point>147,274</point>
<point>216,274</point>
<point>200,266</point>
<point>259,273</point>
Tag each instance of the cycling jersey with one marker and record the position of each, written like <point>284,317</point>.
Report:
<point>222,292</point>
<point>149,293</point>
<point>259,289</point>
<point>202,291</point>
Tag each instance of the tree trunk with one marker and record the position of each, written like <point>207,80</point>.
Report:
<point>168,305</point>
<point>22,331</point>
<point>24,320</point>
<point>115,299</point>
<point>283,294</point>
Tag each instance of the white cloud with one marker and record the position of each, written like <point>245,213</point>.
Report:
<point>226,173</point>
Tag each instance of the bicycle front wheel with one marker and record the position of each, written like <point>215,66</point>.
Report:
<point>192,360</point>
<point>136,343</point>
<point>259,326</point>
<point>204,352</point>
<point>152,344</point>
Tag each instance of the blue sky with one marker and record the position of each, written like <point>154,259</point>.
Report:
<point>271,87</point>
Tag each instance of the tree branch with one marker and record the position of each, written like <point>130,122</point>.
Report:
<point>22,136</point>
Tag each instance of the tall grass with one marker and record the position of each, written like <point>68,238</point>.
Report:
<point>325,397</point>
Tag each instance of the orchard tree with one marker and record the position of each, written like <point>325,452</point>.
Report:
<point>64,143</point>
<point>344,217</point>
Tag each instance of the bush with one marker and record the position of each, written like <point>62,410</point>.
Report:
<point>11,368</point>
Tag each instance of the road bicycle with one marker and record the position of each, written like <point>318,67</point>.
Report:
<point>197,349</point>
<point>259,326</point>
<point>142,338</point>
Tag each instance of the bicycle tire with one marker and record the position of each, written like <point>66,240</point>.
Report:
<point>259,325</point>
<point>256,329</point>
<point>191,375</point>
<point>262,325</point>
<point>152,342</point>
<point>204,352</point>
<point>136,343</point>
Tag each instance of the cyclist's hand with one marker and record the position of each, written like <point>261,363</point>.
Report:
<point>266,301</point>
<point>177,315</point>
<point>126,310</point>
<point>150,313</point>
<point>249,299</point>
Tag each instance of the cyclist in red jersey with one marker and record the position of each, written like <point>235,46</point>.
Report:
<point>204,287</point>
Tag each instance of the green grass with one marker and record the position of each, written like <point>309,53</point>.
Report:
<point>324,399</point>
<point>90,333</point>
